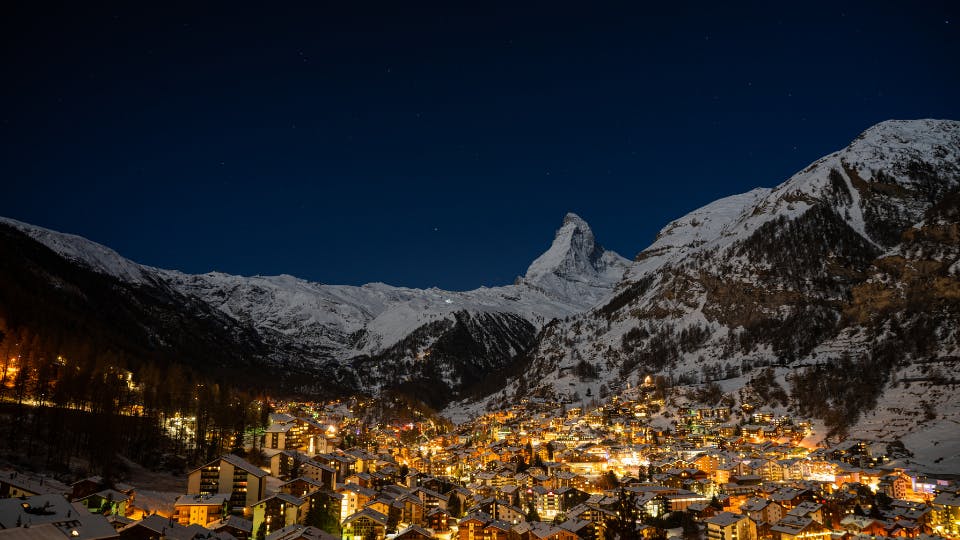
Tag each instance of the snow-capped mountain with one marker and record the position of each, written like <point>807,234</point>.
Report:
<point>328,325</point>
<point>343,321</point>
<point>818,278</point>
<point>834,295</point>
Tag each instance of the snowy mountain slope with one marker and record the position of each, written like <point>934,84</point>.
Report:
<point>777,277</point>
<point>332,324</point>
<point>78,249</point>
<point>345,321</point>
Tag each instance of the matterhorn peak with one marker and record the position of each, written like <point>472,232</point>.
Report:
<point>574,257</point>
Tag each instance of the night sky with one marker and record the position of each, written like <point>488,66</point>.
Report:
<point>433,145</point>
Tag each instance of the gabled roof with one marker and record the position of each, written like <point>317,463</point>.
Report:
<point>237,462</point>
<point>112,494</point>
<point>56,510</point>
<point>284,497</point>
<point>368,513</point>
<point>414,530</point>
<point>215,499</point>
<point>725,519</point>
<point>47,531</point>
<point>300,532</point>
<point>498,524</point>
<point>233,521</point>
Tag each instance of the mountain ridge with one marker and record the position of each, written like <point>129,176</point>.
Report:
<point>770,279</point>
<point>840,282</point>
<point>351,329</point>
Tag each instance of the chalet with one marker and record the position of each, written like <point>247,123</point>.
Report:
<point>414,532</point>
<point>863,525</point>
<point>496,530</point>
<point>431,498</point>
<point>300,487</point>
<point>440,520</point>
<point>276,436</point>
<point>236,526</point>
<point>354,498</point>
<point>730,526</point>
<point>544,531</point>
<point>946,513</point>
<point>200,509</point>
<point>86,486</point>
<point>71,520</point>
<point>762,511</point>
<point>364,525</point>
<point>231,474</point>
<point>160,528</point>
<point>413,510</point>
<point>896,485</point>
<point>583,529</point>
<point>18,484</point>
<point>278,511</point>
<point>471,527</point>
<point>107,502</point>
<point>300,532</point>
<point>793,527</point>
<point>808,509</point>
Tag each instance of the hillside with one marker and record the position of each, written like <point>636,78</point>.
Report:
<point>842,280</point>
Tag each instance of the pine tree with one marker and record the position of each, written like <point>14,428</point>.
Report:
<point>454,507</point>
<point>532,514</point>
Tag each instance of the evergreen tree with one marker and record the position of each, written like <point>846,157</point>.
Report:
<point>532,514</point>
<point>624,526</point>
<point>454,506</point>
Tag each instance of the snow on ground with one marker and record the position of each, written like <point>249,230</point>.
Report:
<point>923,415</point>
<point>155,501</point>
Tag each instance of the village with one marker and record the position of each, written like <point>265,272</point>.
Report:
<point>540,470</point>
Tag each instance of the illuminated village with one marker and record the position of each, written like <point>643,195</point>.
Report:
<point>540,470</point>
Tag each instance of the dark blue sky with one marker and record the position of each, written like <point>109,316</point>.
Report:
<point>427,145</point>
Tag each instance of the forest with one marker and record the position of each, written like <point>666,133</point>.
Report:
<point>69,409</point>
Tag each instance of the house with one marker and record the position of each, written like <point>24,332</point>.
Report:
<point>300,487</point>
<point>413,510</point>
<point>440,520</point>
<point>354,498</point>
<point>86,486</point>
<point>18,484</point>
<point>231,474</point>
<point>236,526</point>
<point>730,526</point>
<point>278,511</point>
<point>946,514</point>
<point>275,437</point>
<point>760,510</point>
<point>544,531</point>
<point>584,529</point>
<point>363,524</point>
<point>200,509</point>
<point>320,472</point>
<point>107,502</point>
<point>863,525</point>
<point>47,531</point>
<point>414,532</point>
<point>72,520</point>
<point>300,532</point>
<point>471,527</point>
<point>793,527</point>
<point>496,530</point>
<point>808,509</point>
<point>160,528</point>
<point>896,485</point>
